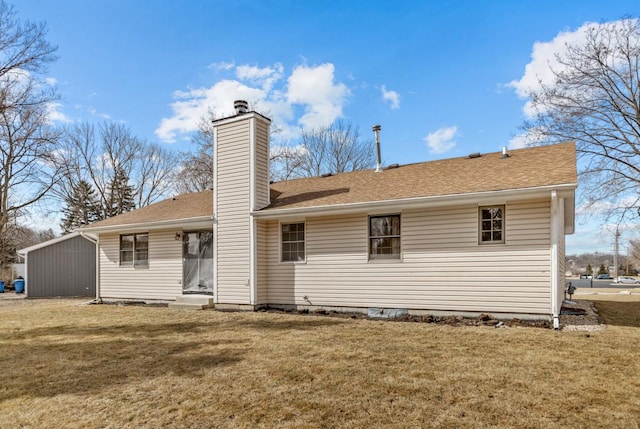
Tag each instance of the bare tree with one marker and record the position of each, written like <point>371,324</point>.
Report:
<point>284,162</point>
<point>104,157</point>
<point>27,140</point>
<point>18,237</point>
<point>153,174</point>
<point>336,148</point>
<point>594,100</point>
<point>196,168</point>
<point>634,252</point>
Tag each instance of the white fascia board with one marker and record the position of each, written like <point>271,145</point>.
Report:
<point>241,117</point>
<point>569,214</point>
<point>489,197</point>
<point>91,237</point>
<point>195,222</point>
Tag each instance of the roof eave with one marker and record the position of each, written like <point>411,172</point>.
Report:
<point>194,222</point>
<point>74,234</point>
<point>488,197</point>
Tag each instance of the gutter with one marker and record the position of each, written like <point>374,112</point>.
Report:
<point>488,197</point>
<point>147,226</point>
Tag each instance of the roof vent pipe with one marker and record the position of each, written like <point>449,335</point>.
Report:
<point>376,131</point>
<point>241,106</point>
<point>505,154</point>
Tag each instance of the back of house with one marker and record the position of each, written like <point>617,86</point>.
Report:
<point>468,235</point>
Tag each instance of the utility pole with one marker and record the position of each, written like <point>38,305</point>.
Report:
<point>615,255</point>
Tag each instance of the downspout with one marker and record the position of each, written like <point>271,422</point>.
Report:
<point>555,305</point>
<point>215,216</point>
<point>97,243</point>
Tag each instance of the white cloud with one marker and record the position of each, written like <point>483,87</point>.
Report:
<point>266,77</point>
<point>94,112</point>
<point>55,115</point>
<point>442,140</point>
<point>543,60</point>
<point>602,207</point>
<point>268,90</point>
<point>246,72</point>
<point>392,97</point>
<point>194,104</point>
<point>314,87</point>
<point>531,138</point>
<point>221,66</point>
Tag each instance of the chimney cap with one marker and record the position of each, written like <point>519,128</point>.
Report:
<point>376,128</point>
<point>241,106</point>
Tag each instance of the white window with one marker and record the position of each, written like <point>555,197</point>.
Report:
<point>384,237</point>
<point>491,224</point>
<point>134,249</point>
<point>292,242</point>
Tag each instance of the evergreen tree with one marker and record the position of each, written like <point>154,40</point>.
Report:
<point>121,199</point>
<point>603,270</point>
<point>589,270</point>
<point>82,207</point>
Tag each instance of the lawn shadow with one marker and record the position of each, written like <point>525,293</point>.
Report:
<point>50,369</point>
<point>134,330</point>
<point>69,359</point>
<point>619,313</point>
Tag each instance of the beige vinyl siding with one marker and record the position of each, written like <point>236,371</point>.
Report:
<point>262,165</point>
<point>232,210</point>
<point>161,280</point>
<point>442,265</point>
<point>261,269</point>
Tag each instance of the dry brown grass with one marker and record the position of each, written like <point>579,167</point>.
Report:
<point>102,366</point>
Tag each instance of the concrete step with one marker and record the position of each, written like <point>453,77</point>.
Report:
<point>192,302</point>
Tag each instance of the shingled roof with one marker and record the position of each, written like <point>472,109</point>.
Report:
<point>522,169</point>
<point>184,206</point>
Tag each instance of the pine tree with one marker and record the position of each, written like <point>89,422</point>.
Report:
<point>603,270</point>
<point>120,194</point>
<point>82,207</point>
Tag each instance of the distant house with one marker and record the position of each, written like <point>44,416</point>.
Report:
<point>467,235</point>
<point>63,266</point>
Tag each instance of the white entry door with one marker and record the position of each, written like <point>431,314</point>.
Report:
<point>197,262</point>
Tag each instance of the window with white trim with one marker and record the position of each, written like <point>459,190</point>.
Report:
<point>384,237</point>
<point>134,249</point>
<point>491,224</point>
<point>292,242</point>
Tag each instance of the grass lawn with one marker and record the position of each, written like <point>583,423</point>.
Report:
<point>65,365</point>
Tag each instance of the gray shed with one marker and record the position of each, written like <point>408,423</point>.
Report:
<point>64,266</point>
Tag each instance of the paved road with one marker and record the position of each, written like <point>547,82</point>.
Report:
<point>587,283</point>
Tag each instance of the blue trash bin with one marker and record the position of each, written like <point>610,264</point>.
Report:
<point>19,285</point>
<point>1,286</point>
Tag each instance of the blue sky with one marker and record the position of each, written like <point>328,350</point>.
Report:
<point>443,78</point>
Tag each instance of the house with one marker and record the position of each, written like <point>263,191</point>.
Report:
<point>63,266</point>
<point>483,233</point>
